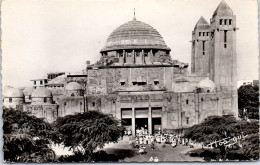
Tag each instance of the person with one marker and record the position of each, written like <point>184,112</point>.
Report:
<point>156,159</point>
<point>129,132</point>
<point>152,145</point>
<point>151,159</point>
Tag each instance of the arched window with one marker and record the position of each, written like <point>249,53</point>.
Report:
<point>45,100</point>
<point>10,100</point>
<point>93,104</point>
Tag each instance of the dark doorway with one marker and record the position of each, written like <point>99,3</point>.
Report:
<point>127,123</point>
<point>156,125</point>
<point>141,123</point>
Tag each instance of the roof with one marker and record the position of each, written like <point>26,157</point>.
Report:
<point>41,92</point>
<point>223,9</point>
<point>57,91</point>
<point>28,91</point>
<point>13,92</point>
<point>58,80</point>
<point>202,23</point>
<point>133,35</point>
<point>73,86</point>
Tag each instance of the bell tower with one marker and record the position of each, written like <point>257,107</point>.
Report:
<point>223,58</point>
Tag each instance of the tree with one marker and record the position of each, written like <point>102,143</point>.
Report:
<point>251,147</point>
<point>26,138</point>
<point>248,98</point>
<point>217,128</point>
<point>87,131</point>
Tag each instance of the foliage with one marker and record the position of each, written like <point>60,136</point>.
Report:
<point>251,147</point>
<point>248,98</point>
<point>88,131</point>
<point>26,138</point>
<point>217,128</point>
<point>213,128</point>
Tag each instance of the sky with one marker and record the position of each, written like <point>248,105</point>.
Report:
<point>41,36</point>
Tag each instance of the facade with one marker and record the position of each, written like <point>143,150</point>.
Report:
<point>137,81</point>
<point>39,82</point>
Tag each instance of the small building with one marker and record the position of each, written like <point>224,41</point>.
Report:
<point>42,105</point>
<point>12,97</point>
<point>39,82</point>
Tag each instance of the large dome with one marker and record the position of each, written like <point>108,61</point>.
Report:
<point>28,91</point>
<point>41,92</point>
<point>73,86</point>
<point>135,35</point>
<point>13,92</point>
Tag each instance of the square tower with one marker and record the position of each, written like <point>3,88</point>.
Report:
<point>200,47</point>
<point>223,60</point>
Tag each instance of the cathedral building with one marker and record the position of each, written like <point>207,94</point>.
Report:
<point>137,81</point>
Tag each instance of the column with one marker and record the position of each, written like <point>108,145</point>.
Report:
<point>142,55</point>
<point>150,120</point>
<point>124,55</point>
<point>133,56</point>
<point>133,122</point>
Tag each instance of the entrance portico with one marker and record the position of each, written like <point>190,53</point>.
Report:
<point>148,118</point>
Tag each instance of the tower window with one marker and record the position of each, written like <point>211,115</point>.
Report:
<point>187,101</point>
<point>10,100</point>
<point>156,82</point>
<point>41,82</point>
<point>93,104</point>
<point>207,33</point>
<point>187,120</point>
<point>134,83</point>
<point>45,100</point>
<point>203,33</point>
<point>122,83</point>
<point>141,83</point>
<point>225,38</point>
<point>225,21</point>
<point>203,47</point>
<point>230,21</point>
<point>199,33</point>
<point>145,53</point>
<point>64,103</point>
<point>220,22</point>
<point>80,103</point>
<point>34,82</point>
<point>202,99</point>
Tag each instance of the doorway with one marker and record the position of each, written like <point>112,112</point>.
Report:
<point>141,123</point>
<point>156,125</point>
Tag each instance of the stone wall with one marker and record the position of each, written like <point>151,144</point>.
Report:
<point>49,112</point>
<point>71,105</point>
<point>15,101</point>
<point>40,100</point>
